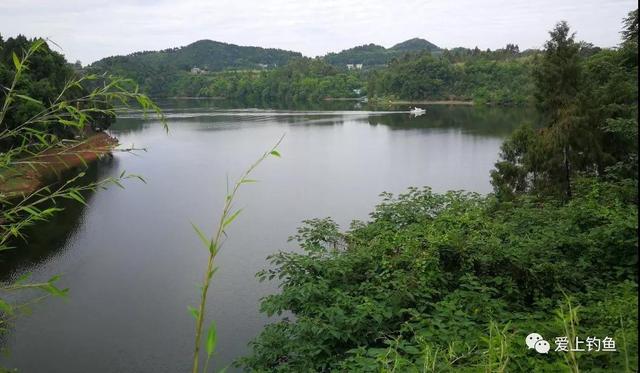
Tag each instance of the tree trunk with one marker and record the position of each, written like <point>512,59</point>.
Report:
<point>567,172</point>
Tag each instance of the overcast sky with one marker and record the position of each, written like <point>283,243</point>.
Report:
<point>91,29</point>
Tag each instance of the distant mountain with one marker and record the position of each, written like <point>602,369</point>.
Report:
<point>162,73</point>
<point>156,70</point>
<point>376,55</point>
<point>204,54</point>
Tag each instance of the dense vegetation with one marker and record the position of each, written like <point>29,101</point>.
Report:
<point>589,110</point>
<point>372,55</point>
<point>301,80</point>
<point>456,281</point>
<point>158,71</point>
<point>251,74</point>
<point>47,75</point>
<point>499,77</point>
<point>414,69</point>
<point>46,81</point>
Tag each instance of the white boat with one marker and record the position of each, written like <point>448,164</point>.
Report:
<point>417,111</point>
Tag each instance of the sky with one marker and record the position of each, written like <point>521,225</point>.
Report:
<point>88,30</point>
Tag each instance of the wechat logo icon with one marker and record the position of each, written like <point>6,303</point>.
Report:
<point>535,341</point>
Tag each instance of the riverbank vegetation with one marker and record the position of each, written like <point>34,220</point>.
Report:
<point>456,281</point>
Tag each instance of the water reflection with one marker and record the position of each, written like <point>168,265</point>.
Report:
<point>479,121</point>
<point>48,239</point>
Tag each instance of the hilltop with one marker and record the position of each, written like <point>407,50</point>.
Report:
<point>154,70</point>
<point>204,54</point>
<point>376,55</point>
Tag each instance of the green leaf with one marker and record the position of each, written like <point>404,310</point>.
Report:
<point>54,290</point>
<point>6,307</point>
<point>231,218</point>
<point>194,312</point>
<point>275,153</point>
<point>30,99</point>
<point>247,181</point>
<point>205,241</point>
<point>212,338</point>
<point>76,196</point>
<point>16,60</point>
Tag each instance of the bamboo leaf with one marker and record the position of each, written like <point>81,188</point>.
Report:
<point>194,312</point>
<point>16,60</point>
<point>76,196</point>
<point>212,338</point>
<point>30,99</point>
<point>231,218</point>
<point>205,241</point>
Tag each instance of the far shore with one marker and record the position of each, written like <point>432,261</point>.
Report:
<point>389,102</point>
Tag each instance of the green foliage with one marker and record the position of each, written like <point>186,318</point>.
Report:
<point>589,109</point>
<point>456,281</point>
<point>482,78</point>
<point>155,71</point>
<point>301,80</point>
<point>37,86</point>
<point>558,75</point>
<point>453,281</point>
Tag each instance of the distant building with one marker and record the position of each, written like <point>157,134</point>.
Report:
<point>263,65</point>
<point>351,66</point>
<point>196,71</point>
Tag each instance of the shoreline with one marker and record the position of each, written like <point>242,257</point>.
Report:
<point>428,102</point>
<point>53,162</point>
<point>389,102</point>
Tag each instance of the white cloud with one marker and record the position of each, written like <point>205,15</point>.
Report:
<point>91,29</point>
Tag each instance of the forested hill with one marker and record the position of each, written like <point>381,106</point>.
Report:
<point>204,54</point>
<point>415,45</point>
<point>376,55</point>
<point>153,70</point>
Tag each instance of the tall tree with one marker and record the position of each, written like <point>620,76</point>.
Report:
<point>589,106</point>
<point>557,82</point>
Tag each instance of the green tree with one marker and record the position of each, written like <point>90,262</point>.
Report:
<point>589,120</point>
<point>557,82</point>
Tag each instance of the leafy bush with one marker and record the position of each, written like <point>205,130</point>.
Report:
<point>453,281</point>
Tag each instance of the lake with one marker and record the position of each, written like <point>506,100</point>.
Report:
<point>133,263</point>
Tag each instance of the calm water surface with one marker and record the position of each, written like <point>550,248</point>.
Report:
<point>132,261</point>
